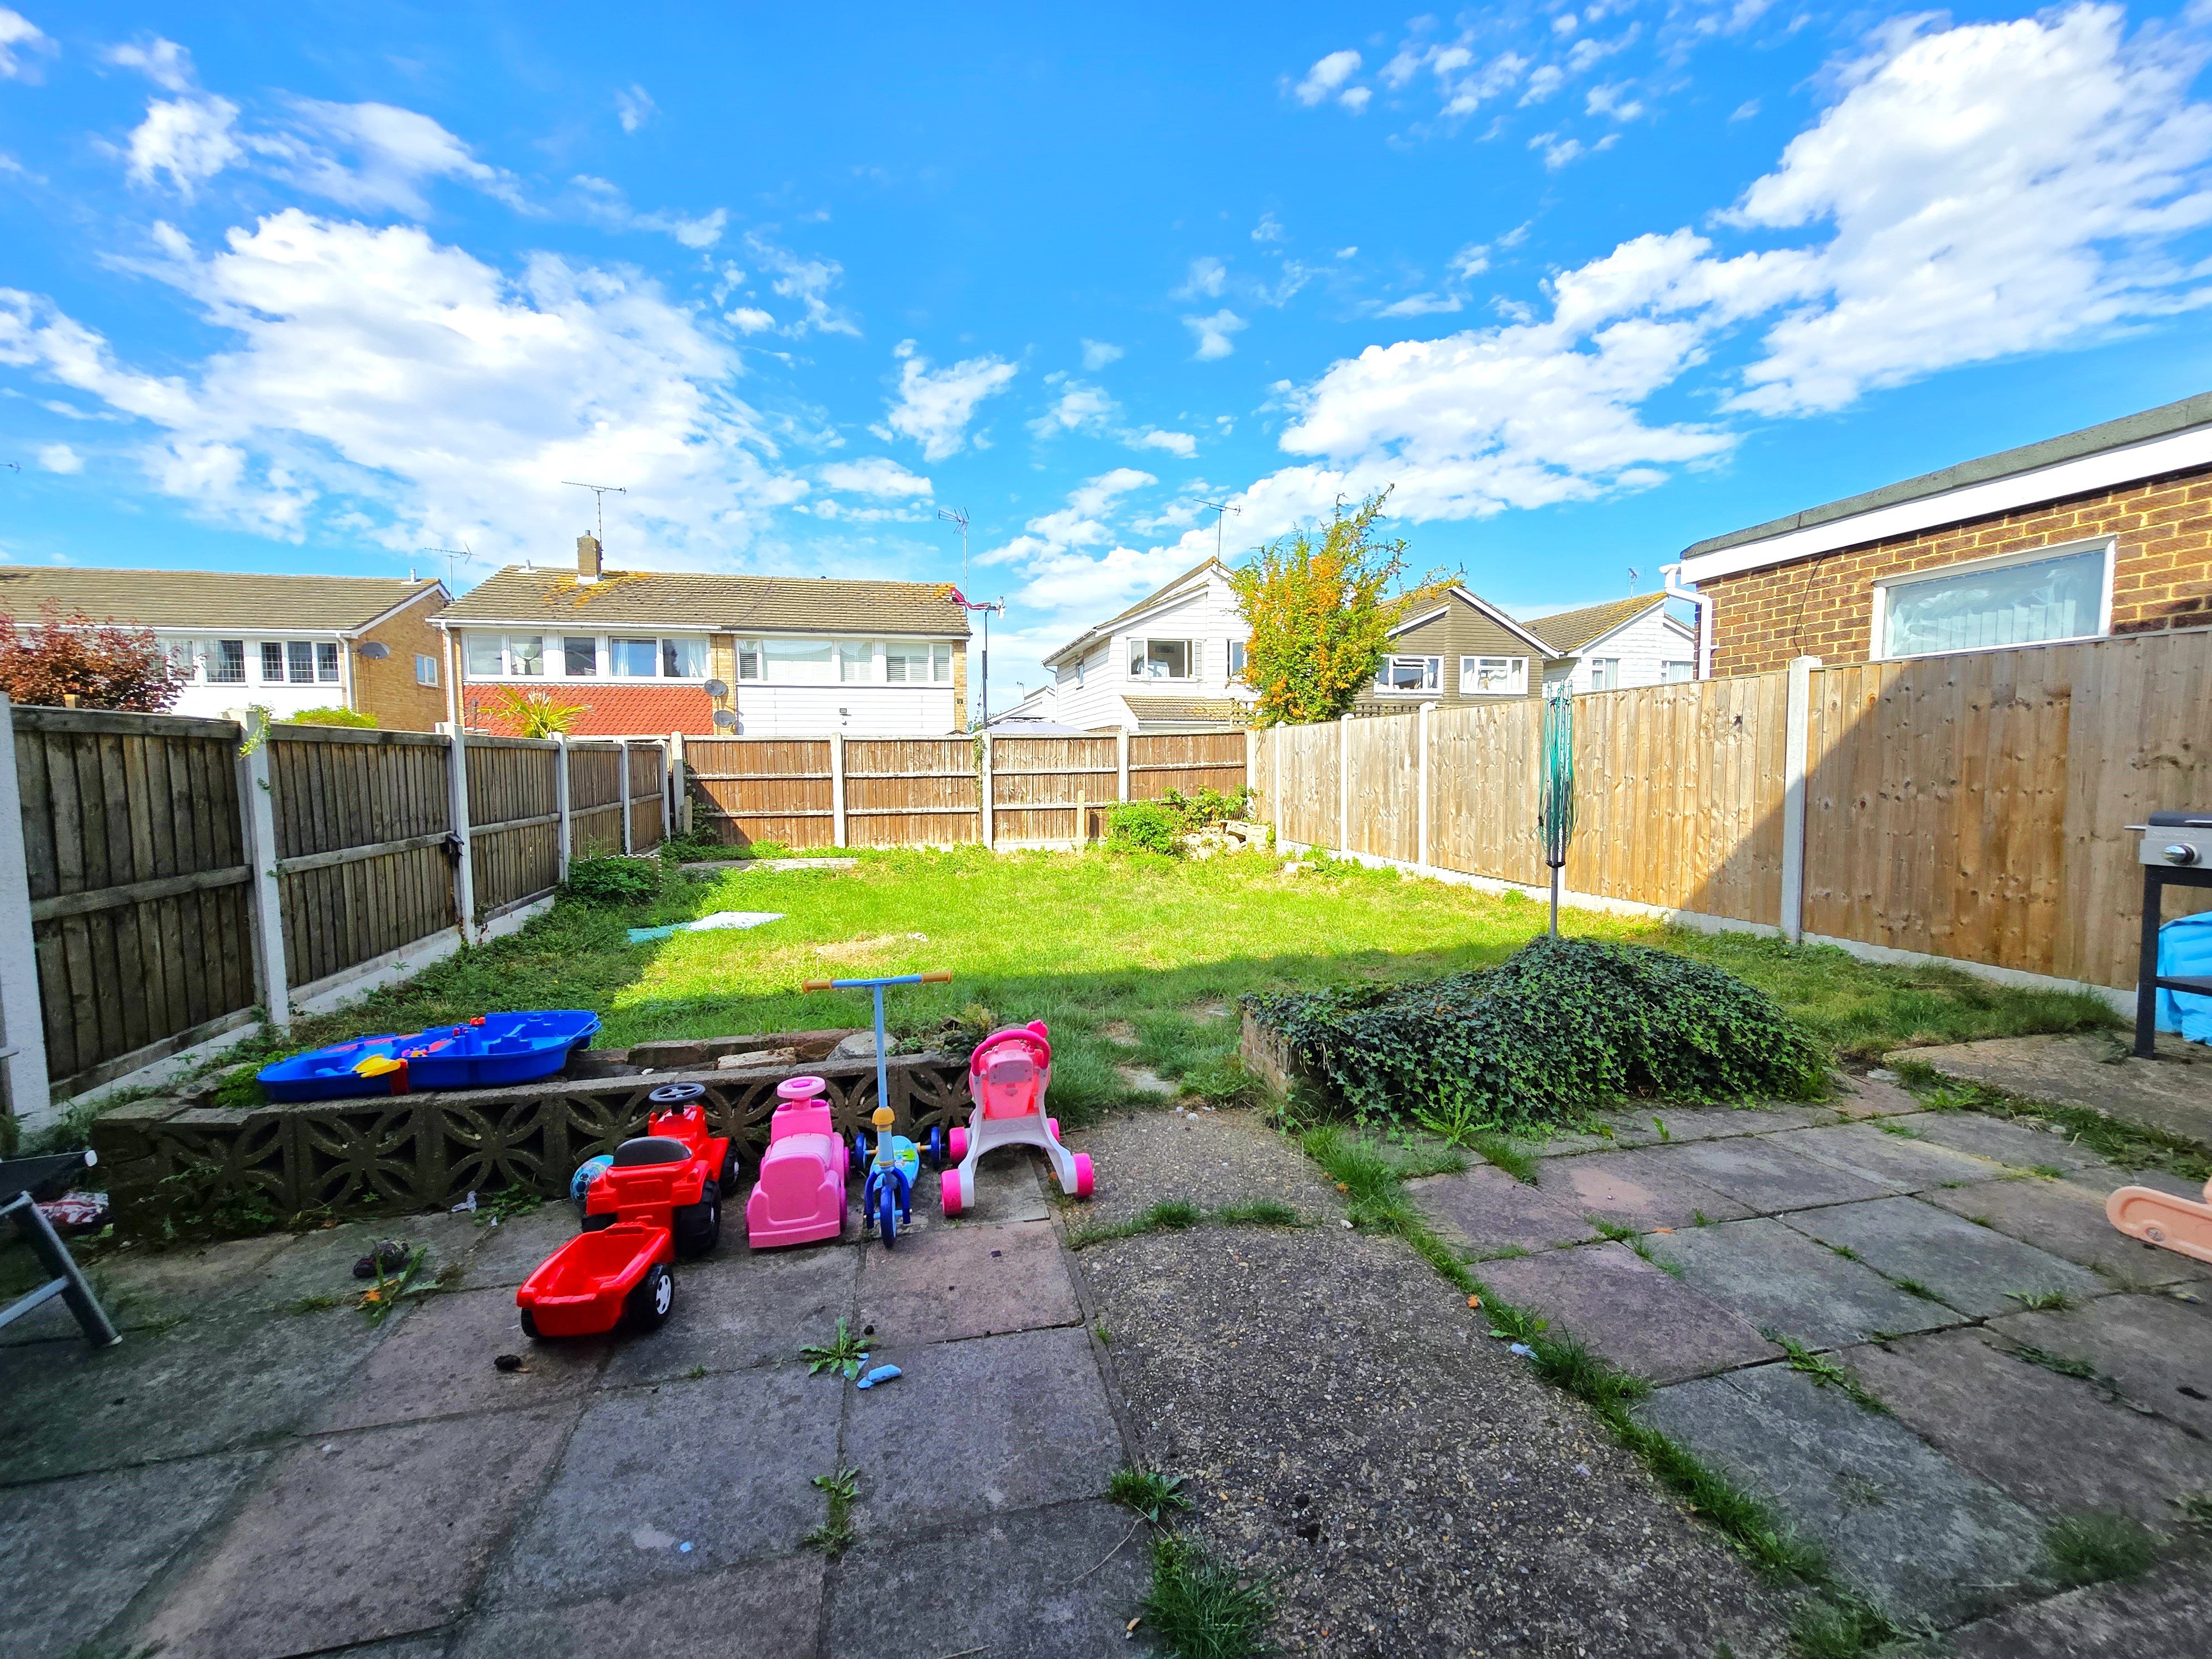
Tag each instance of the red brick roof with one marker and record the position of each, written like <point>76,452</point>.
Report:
<point>614,711</point>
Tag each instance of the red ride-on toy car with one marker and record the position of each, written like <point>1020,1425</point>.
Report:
<point>658,1198</point>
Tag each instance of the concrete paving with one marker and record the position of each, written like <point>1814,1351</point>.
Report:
<point>1779,1279</point>
<point>2172,1092</point>
<point>1976,1270</point>
<point>1630,1311</point>
<point>298,1481</point>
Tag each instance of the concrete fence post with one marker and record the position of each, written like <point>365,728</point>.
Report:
<point>561,801</point>
<point>1277,792</point>
<point>838,832</point>
<point>1796,736</point>
<point>679,788</point>
<point>1344,782</point>
<point>622,772</point>
<point>257,817</point>
<point>1421,837</point>
<point>22,1016</point>
<point>990,820</point>
<point>456,790</point>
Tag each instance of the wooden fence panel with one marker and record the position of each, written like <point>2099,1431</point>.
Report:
<point>750,789</point>
<point>1186,761</point>
<point>913,791</point>
<point>1054,791</point>
<point>648,785</point>
<point>140,921</point>
<point>1679,796</point>
<point>515,831</point>
<point>363,868</point>
<point>1309,783</point>
<point>1385,757</point>
<point>595,801</point>
<point>1482,790</point>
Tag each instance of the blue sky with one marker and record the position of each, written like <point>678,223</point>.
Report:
<point>306,288</point>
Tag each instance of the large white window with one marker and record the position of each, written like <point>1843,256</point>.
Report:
<point>1604,673</point>
<point>683,658</point>
<point>800,662</point>
<point>908,662</point>
<point>1160,659</point>
<point>856,661</point>
<point>1678,673</point>
<point>298,662</point>
<point>1992,604</point>
<point>226,662</point>
<point>1409,674</point>
<point>633,659</point>
<point>1493,677</point>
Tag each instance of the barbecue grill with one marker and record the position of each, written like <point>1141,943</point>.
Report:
<point>2176,852</point>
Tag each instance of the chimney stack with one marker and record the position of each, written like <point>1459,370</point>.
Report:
<point>587,559</point>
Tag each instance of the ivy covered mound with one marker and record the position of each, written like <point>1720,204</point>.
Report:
<point>1564,1026</point>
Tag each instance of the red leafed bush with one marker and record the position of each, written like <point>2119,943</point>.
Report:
<point>104,664</point>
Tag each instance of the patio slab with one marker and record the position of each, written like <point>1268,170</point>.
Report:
<point>366,1536</point>
<point>975,1428</point>
<point>767,1609</point>
<point>509,1253</point>
<point>1642,1189</point>
<point>2172,1092</point>
<point>723,1464</point>
<point>1210,1159</point>
<point>1008,1188</point>
<point>138,1287</point>
<point>320,1263</point>
<point>1629,1312</point>
<point>1764,1176</point>
<point>1871,1097</point>
<point>1776,1278</point>
<point>2068,1219</point>
<point>955,1282</point>
<point>1053,1583</point>
<point>437,1362</point>
<point>1976,1270</point>
<point>206,1385</point>
<point>72,1568</point>
<point>2060,1446</point>
<point>1488,1208</point>
<point>1920,1535</point>
<point>2016,1145</point>
<point>2162,1614</point>
<point>1899,1161</point>
<point>739,1308</point>
<point>2157,1351</point>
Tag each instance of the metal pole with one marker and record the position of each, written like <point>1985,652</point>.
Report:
<point>2153,905</point>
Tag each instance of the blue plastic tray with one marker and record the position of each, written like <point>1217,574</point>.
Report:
<point>501,1048</point>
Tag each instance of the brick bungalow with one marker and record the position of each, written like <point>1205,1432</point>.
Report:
<point>284,643</point>
<point>2103,532</point>
<point>648,653</point>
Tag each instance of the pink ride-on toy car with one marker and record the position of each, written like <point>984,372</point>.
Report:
<point>1008,1075</point>
<point>799,1198</point>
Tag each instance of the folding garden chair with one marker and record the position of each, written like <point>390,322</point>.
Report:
<point>20,1181</point>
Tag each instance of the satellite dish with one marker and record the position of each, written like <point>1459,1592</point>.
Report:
<point>718,688</point>
<point>372,651</point>
<point>726,717</point>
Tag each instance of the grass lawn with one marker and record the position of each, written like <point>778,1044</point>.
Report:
<point>1101,945</point>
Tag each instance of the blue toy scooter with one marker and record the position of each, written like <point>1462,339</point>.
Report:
<point>887,1196</point>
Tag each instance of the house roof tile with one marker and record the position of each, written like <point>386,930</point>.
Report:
<point>1570,630</point>
<point>245,600</point>
<point>770,605</point>
<point>611,711</point>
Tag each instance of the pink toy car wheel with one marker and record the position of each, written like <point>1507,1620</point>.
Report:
<point>1053,1125</point>
<point>958,1143</point>
<point>1083,1175</point>
<point>949,1185</point>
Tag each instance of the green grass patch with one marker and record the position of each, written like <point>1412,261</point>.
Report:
<point>1148,1492</point>
<point>1198,1607</point>
<point>1508,1156</point>
<point>1910,1287</point>
<point>1840,1627</point>
<point>1258,1212</point>
<point>842,1487</point>
<point>1175,1216</point>
<point>2064,1364</point>
<point>2040,1301</point>
<point>2096,1549</point>
<point>2195,1512</point>
<point>1890,1126</point>
<point>1827,1373</point>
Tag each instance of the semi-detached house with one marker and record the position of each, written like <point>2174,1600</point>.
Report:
<point>645,653</point>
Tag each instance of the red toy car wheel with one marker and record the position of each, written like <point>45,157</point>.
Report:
<point>646,1307</point>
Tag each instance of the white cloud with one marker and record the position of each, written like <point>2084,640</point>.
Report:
<point>1078,408</point>
<point>377,382</point>
<point>750,319</point>
<point>877,474</point>
<point>934,406</point>
<point>375,155</point>
<point>634,106</point>
<point>1269,229</point>
<point>1347,253</point>
<point>1176,443</point>
<point>164,62</point>
<point>604,201</point>
<point>1558,151</point>
<point>60,458</point>
<point>1422,305</point>
<point>1354,99</point>
<point>1612,98</point>
<point>807,280</point>
<point>1097,353</point>
<point>189,138</point>
<point>1327,77</point>
<point>1207,278</point>
<point>1064,577</point>
<point>1213,333</point>
<point>1744,110</point>
<point>18,33</point>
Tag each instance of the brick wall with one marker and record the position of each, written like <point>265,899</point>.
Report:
<point>1823,606</point>
<point>387,690</point>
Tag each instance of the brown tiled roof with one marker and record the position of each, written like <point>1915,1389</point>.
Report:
<point>774,604</point>
<point>246,601</point>
<point>1185,711</point>
<point>1570,630</point>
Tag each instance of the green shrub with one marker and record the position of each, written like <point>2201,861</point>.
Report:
<point>1210,807</point>
<point>1146,826</point>
<point>329,717</point>
<point>613,880</point>
<point>1563,1026</point>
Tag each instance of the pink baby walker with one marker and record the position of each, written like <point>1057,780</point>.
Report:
<point>1008,1075</point>
<point>799,1198</point>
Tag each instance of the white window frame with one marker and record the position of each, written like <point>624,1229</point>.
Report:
<point>1611,664</point>
<point>1432,675</point>
<point>1688,666</point>
<point>1140,648</point>
<point>426,670</point>
<point>2108,545</point>
<point>1239,659</point>
<point>1470,665</point>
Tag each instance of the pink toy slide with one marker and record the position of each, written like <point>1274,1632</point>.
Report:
<point>1008,1075</point>
<point>799,1198</point>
